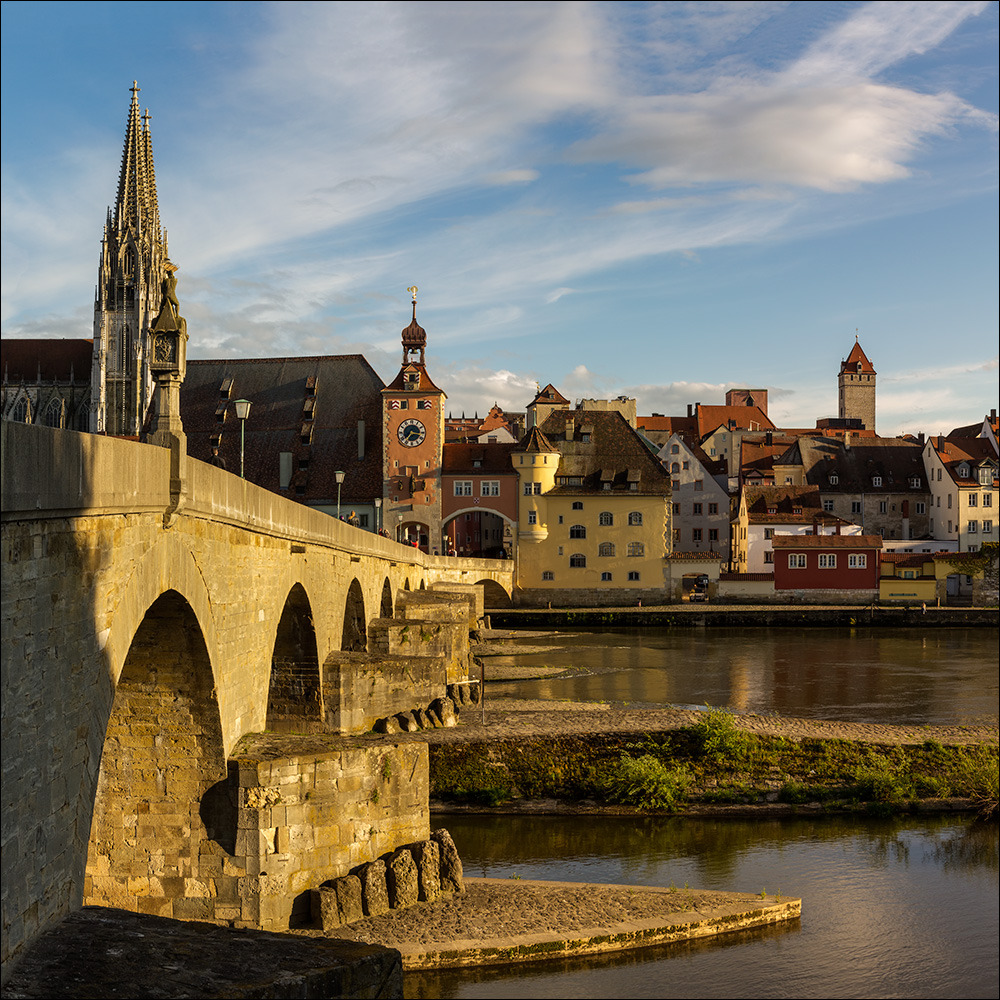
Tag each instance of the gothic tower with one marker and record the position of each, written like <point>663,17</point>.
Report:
<point>856,387</point>
<point>130,281</point>
<point>413,444</point>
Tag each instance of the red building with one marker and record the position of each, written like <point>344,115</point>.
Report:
<point>479,499</point>
<point>845,563</point>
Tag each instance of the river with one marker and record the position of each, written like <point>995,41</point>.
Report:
<point>891,908</point>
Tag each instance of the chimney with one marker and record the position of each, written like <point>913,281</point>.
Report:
<point>689,410</point>
<point>769,438</point>
<point>847,440</point>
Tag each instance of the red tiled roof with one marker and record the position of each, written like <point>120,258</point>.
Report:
<point>425,383</point>
<point>857,361</point>
<point>827,541</point>
<point>494,458</point>
<point>711,418</point>
<point>550,394</point>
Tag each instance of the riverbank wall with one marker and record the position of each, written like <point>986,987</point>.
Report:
<point>741,616</point>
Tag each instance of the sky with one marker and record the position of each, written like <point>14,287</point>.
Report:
<point>661,200</point>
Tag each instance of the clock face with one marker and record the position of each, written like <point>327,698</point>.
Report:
<point>411,433</point>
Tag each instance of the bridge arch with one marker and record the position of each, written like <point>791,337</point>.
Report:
<point>294,692</point>
<point>355,633</point>
<point>498,539</point>
<point>494,594</point>
<point>161,814</point>
<point>385,605</point>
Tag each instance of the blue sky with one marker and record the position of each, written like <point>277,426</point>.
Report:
<point>658,199</point>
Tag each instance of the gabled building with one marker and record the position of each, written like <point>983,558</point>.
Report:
<point>593,514</point>
<point>767,511</point>
<point>962,475</point>
<point>699,501</point>
<point>877,483</point>
<point>546,402</point>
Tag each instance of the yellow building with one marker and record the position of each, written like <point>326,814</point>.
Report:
<point>593,513</point>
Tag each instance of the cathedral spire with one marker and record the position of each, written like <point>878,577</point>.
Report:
<point>136,210</point>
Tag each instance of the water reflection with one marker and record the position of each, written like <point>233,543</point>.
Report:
<point>917,677</point>
<point>890,908</point>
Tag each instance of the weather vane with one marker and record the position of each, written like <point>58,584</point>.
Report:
<point>413,291</point>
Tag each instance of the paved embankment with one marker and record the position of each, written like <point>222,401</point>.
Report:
<point>496,921</point>
<point>746,616</point>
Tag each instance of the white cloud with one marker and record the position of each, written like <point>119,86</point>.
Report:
<point>501,178</point>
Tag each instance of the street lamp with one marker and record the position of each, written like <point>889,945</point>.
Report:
<point>339,476</point>
<point>399,528</point>
<point>378,515</point>
<point>242,412</point>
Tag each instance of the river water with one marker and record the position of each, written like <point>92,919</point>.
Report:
<point>891,908</point>
<point>916,677</point>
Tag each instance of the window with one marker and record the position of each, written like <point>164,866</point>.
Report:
<point>560,519</point>
<point>828,505</point>
<point>696,509</point>
<point>855,506</point>
<point>834,479</point>
<point>883,506</point>
<point>463,487</point>
<point>675,467</point>
<point>606,486</point>
<point>677,510</point>
<point>489,488</point>
<point>949,501</point>
<point>633,576</point>
<point>713,508</point>
<point>973,527</point>
<point>876,480</point>
<point>578,560</point>
<point>527,489</point>
<point>857,560</point>
<point>577,531</point>
<point>772,510</point>
<point>921,507</point>
<point>606,549</point>
<point>677,535</point>
<point>768,556</point>
<point>914,482</point>
<point>769,532</point>
<point>796,560</point>
<point>606,519</point>
<point>713,534</point>
<point>577,505</point>
<point>605,578</point>
<point>636,549</point>
<point>675,484</point>
<point>973,499</point>
<point>696,534</point>
<point>985,476</point>
<point>685,465</point>
<point>675,449</point>
<point>548,575</point>
<point>699,484</point>
<point>987,527</point>
<point>987,500</point>
<point>575,480</point>
<point>635,517</point>
<point>827,560</point>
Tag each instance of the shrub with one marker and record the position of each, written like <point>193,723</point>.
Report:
<point>882,781</point>
<point>719,740</point>
<point>644,782</point>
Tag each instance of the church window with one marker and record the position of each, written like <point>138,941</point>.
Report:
<point>52,416</point>
<point>577,531</point>
<point>20,412</point>
<point>606,519</point>
<point>578,560</point>
<point>606,549</point>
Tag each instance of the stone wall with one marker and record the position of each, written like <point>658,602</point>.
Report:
<point>591,597</point>
<point>307,819</point>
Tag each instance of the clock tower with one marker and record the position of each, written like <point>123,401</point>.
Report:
<point>412,446</point>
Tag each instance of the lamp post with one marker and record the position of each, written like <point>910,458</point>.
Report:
<point>399,528</point>
<point>339,476</point>
<point>378,515</point>
<point>242,412</point>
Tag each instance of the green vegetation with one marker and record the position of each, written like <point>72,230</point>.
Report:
<point>715,761</point>
<point>644,782</point>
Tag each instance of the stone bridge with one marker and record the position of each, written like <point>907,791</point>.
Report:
<point>156,610</point>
